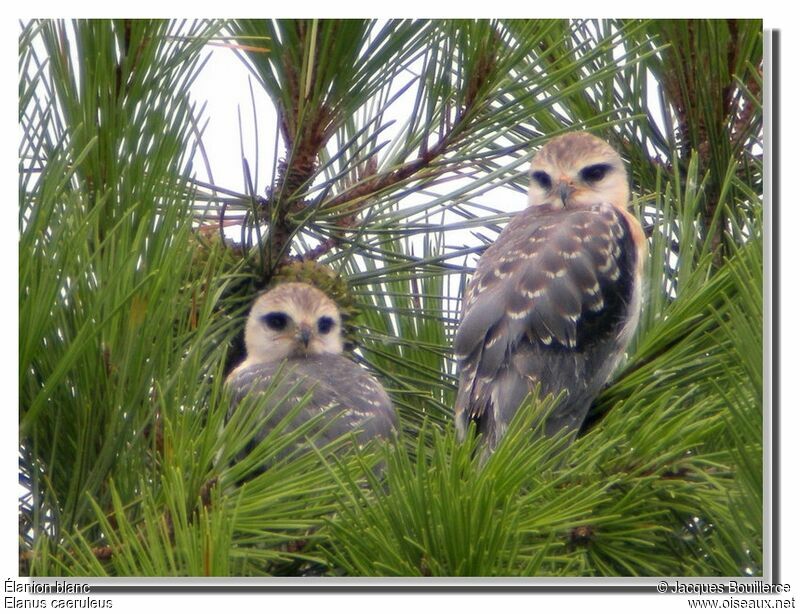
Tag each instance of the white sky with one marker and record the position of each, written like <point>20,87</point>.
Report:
<point>223,84</point>
<point>779,15</point>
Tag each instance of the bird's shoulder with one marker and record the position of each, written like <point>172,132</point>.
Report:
<point>556,276</point>
<point>549,225</point>
<point>314,369</point>
<point>331,379</point>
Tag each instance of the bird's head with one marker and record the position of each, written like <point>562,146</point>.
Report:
<point>577,169</point>
<point>290,321</point>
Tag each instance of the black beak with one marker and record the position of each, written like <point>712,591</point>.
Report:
<point>564,192</point>
<point>304,335</point>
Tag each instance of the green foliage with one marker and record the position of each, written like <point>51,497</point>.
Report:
<point>108,310</point>
<point>400,142</point>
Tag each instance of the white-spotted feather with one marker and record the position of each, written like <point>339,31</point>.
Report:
<point>555,299</point>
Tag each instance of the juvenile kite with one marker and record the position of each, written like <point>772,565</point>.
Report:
<point>293,338</point>
<point>556,299</point>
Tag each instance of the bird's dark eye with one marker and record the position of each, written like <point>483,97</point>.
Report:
<point>325,324</point>
<point>595,172</point>
<point>543,179</point>
<point>276,320</point>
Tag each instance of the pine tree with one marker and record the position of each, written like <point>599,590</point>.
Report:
<point>133,298</point>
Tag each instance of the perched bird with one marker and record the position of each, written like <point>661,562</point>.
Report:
<point>293,339</point>
<point>556,299</point>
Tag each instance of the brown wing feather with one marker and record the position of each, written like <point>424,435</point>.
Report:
<point>555,280</point>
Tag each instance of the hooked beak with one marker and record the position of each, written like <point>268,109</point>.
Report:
<point>304,335</point>
<point>565,190</point>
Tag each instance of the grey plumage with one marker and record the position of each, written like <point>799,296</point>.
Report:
<point>349,399</point>
<point>294,346</point>
<point>555,300</point>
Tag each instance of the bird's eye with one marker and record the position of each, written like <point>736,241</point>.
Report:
<point>276,320</point>
<point>543,179</point>
<point>595,172</point>
<point>325,324</point>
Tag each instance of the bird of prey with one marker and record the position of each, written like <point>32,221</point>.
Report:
<point>294,344</point>
<point>555,300</point>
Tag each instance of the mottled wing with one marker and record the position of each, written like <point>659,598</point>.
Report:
<point>554,287</point>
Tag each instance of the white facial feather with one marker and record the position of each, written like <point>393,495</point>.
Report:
<point>292,320</point>
<point>564,166</point>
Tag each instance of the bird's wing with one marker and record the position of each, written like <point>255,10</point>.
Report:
<point>554,279</point>
<point>367,406</point>
<point>351,399</point>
